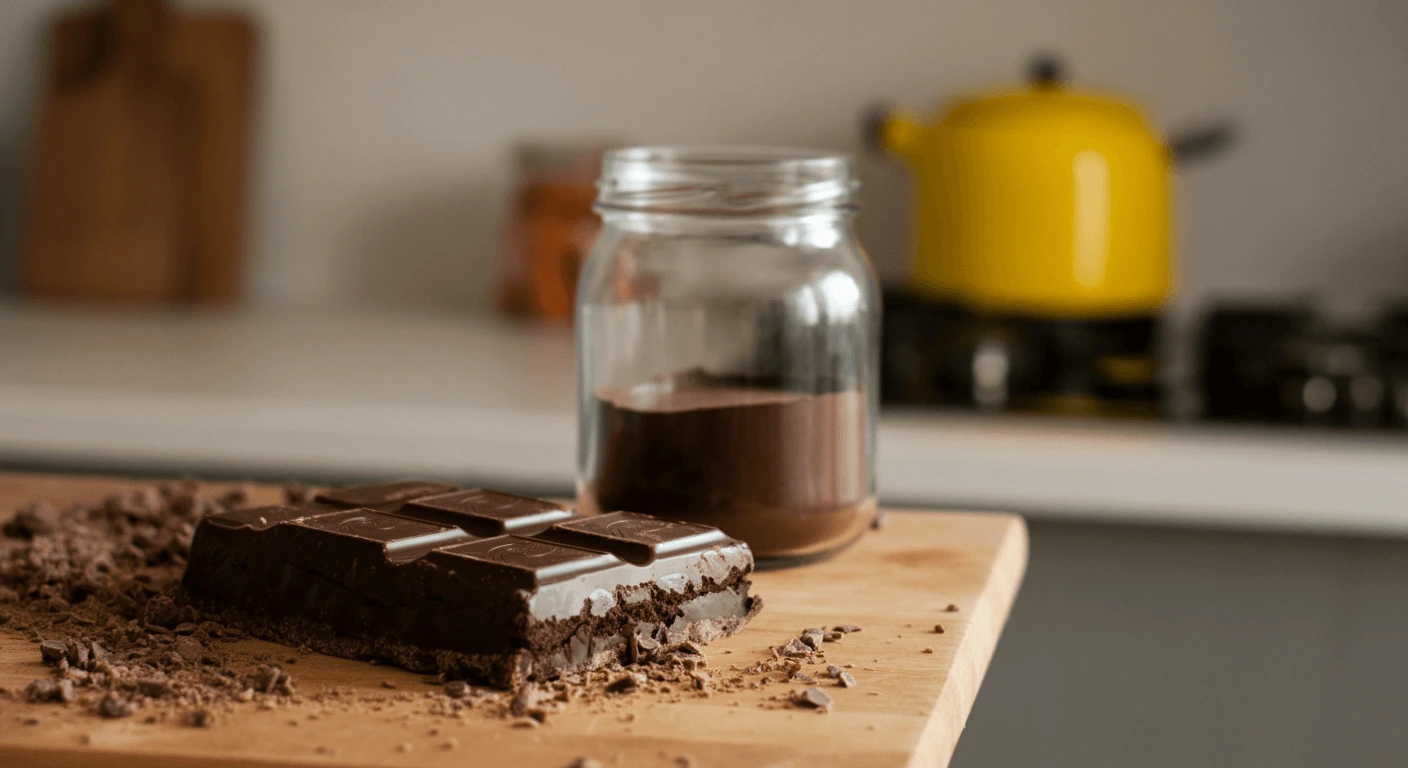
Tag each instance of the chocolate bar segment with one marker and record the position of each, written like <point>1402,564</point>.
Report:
<point>487,513</point>
<point>639,539</point>
<point>477,584</point>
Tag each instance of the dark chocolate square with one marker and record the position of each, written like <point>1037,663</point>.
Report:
<point>383,495</point>
<point>521,560</point>
<point>635,538</point>
<point>398,537</point>
<point>486,513</point>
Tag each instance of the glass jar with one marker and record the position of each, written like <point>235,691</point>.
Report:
<point>727,341</point>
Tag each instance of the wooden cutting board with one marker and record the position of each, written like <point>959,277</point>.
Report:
<point>908,710</point>
<point>138,178</point>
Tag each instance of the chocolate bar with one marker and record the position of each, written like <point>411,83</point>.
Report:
<point>476,584</point>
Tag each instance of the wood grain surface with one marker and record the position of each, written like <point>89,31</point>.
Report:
<point>908,709</point>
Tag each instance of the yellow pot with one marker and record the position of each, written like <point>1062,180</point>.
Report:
<point>1041,201</point>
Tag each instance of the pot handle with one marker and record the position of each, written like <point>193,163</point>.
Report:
<point>1201,143</point>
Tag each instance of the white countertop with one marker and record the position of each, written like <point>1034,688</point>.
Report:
<point>285,393</point>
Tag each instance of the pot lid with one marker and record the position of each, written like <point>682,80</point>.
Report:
<point>1045,104</point>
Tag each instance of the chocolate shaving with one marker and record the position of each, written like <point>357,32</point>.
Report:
<point>813,697</point>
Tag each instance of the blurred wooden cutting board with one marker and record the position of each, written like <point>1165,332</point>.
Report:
<point>139,173</point>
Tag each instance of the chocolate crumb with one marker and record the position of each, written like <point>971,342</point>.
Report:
<point>846,629</point>
<point>523,701</point>
<point>951,608</point>
<point>53,650</point>
<point>198,718</point>
<point>457,689</point>
<point>154,688</point>
<point>30,721</point>
<point>938,629</point>
<point>450,743</point>
<point>404,746</point>
<point>525,722</point>
<point>585,762</point>
<point>299,494</point>
<point>846,679</point>
<point>267,678</point>
<point>388,684</point>
<point>795,648</point>
<point>803,677</point>
<point>625,683</point>
<point>927,650</point>
<point>114,707</point>
<point>833,671</point>
<point>685,761</point>
<point>813,697</point>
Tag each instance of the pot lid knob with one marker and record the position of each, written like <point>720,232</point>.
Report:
<point>1046,70</point>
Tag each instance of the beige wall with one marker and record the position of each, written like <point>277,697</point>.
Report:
<point>386,126</point>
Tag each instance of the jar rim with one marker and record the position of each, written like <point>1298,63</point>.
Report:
<point>725,180</point>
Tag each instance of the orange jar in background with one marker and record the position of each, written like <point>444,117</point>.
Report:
<point>550,229</point>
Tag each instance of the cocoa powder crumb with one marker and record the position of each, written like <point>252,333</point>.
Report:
<point>113,707</point>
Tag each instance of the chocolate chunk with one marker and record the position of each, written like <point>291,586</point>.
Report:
<point>796,649</point>
<point>199,718</point>
<point>812,697</point>
<point>43,689</point>
<point>457,689</point>
<point>813,640</point>
<point>846,629</point>
<point>154,688</point>
<point>53,650</point>
<point>99,654</point>
<point>78,655</point>
<point>625,683</point>
<point>190,649</point>
<point>299,494</point>
<point>161,612</point>
<point>37,519</point>
<point>266,679</point>
<point>846,679</point>
<point>114,707</point>
<point>385,572</point>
